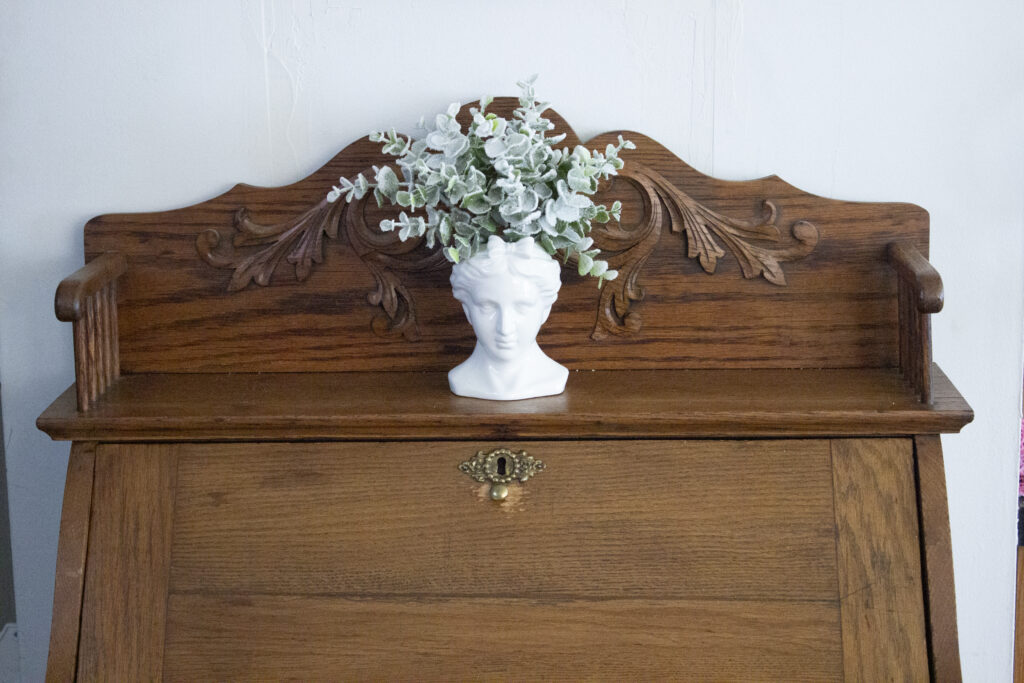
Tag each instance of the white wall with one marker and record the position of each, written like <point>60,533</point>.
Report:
<point>131,106</point>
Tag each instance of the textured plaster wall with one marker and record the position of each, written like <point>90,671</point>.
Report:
<point>131,106</point>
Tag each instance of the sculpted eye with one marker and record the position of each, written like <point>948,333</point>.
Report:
<point>487,309</point>
<point>523,307</point>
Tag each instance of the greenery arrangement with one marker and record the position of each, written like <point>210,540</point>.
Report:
<point>501,177</point>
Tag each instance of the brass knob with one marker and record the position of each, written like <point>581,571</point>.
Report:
<point>501,467</point>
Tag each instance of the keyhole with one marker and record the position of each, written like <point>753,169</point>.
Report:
<point>501,466</point>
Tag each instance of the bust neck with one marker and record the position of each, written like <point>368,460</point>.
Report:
<point>530,374</point>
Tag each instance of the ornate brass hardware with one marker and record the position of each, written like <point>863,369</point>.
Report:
<point>501,467</point>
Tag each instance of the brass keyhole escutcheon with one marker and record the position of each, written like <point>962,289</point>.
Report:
<point>500,468</point>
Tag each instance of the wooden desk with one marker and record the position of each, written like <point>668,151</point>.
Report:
<point>743,479</point>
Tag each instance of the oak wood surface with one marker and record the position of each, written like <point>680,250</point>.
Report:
<point>124,608</point>
<point>879,557</point>
<point>937,556</point>
<point>633,555</point>
<point>836,310</point>
<point>71,555</point>
<point>912,266</point>
<point>651,519</point>
<point>327,638</point>
<point>605,404</point>
<point>95,328</point>
<point>919,292</point>
<point>74,291</point>
<point>771,559</point>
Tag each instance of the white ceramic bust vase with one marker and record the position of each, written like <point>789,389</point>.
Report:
<point>507,291</point>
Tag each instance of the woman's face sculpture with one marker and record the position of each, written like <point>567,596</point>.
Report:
<point>506,312</point>
<point>507,292</point>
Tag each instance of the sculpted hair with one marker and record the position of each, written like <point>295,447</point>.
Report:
<point>522,258</point>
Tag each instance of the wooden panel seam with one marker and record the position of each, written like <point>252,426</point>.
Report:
<point>129,552</point>
<point>838,559</point>
<point>880,590</point>
<point>938,591</point>
<point>72,549</point>
<point>170,556</point>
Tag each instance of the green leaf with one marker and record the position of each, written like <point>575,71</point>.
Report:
<point>387,181</point>
<point>499,176</point>
<point>419,197</point>
<point>486,223</point>
<point>476,203</point>
<point>577,180</point>
<point>586,263</point>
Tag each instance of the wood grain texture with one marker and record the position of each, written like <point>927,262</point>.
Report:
<point>327,638</point>
<point>653,519</point>
<point>913,267</point>
<point>88,298</point>
<point>919,293</point>
<point>879,560</point>
<point>76,290</point>
<point>600,404</point>
<point>69,583</point>
<point>838,309</point>
<point>937,556</point>
<point>354,547</point>
<point>124,609</point>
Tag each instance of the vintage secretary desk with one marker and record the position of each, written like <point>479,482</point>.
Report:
<point>742,481</point>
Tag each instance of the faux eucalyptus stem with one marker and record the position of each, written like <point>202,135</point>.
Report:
<point>500,177</point>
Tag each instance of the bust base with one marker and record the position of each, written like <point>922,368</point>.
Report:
<point>463,382</point>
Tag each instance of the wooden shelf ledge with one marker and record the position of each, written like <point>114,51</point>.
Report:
<point>596,404</point>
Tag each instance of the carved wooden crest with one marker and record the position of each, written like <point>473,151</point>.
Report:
<point>255,251</point>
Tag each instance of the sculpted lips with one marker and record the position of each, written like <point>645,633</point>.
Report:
<point>506,343</point>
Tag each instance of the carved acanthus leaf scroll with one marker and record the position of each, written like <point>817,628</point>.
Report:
<point>628,250</point>
<point>299,241</point>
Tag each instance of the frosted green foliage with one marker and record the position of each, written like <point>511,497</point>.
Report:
<point>504,177</point>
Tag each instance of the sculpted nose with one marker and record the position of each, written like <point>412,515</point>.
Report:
<point>506,325</point>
